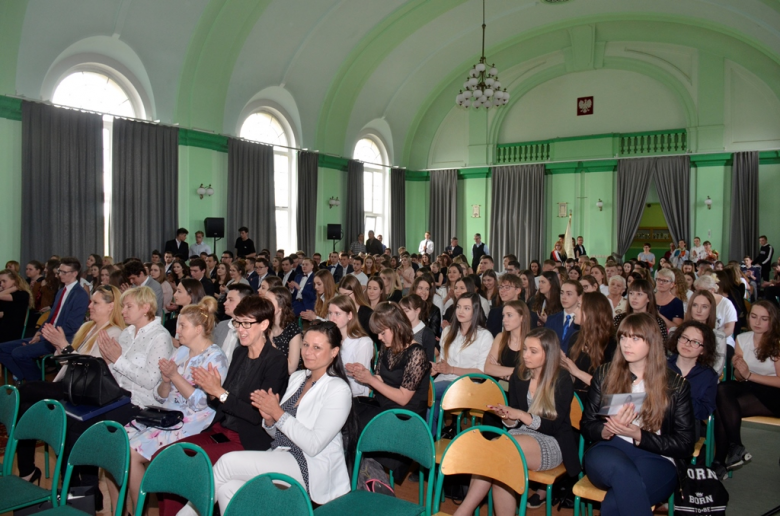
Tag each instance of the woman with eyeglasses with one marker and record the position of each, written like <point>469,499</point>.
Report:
<point>670,308</point>
<point>256,365</point>
<point>105,313</point>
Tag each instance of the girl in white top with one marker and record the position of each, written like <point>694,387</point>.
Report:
<point>701,308</point>
<point>314,427</point>
<point>465,345</point>
<point>356,346</point>
<point>757,389</point>
<point>466,285</point>
<point>725,313</point>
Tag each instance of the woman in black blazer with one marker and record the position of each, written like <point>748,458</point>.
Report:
<point>634,458</point>
<point>540,397</point>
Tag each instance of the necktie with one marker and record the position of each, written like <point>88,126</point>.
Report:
<point>56,311</point>
<point>566,326</point>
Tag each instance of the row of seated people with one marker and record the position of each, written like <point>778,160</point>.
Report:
<point>466,346</point>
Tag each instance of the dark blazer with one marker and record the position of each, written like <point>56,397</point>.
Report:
<point>364,317</point>
<point>555,323</point>
<point>272,373</point>
<point>338,271</point>
<point>374,247</point>
<point>677,433</point>
<point>560,427</point>
<point>434,321</point>
<point>208,286</point>
<point>182,250</point>
<point>579,250</point>
<point>72,311</point>
<point>704,387</point>
<point>308,297</point>
<point>453,251</point>
<point>254,280</point>
<point>495,320</point>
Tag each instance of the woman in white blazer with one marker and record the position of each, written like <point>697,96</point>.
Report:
<point>314,427</point>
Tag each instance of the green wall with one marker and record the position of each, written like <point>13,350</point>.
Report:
<point>11,193</point>
<point>417,202</point>
<point>209,167</point>
<point>330,183</point>
<point>768,205</point>
<point>473,191</point>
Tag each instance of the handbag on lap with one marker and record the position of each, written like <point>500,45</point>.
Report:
<point>88,381</point>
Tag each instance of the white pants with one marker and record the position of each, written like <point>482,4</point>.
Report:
<point>234,469</point>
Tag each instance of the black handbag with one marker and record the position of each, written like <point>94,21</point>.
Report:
<point>156,417</point>
<point>88,381</point>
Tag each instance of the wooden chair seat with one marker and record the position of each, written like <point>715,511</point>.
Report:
<point>439,446</point>
<point>764,420</point>
<point>547,477</point>
<point>585,489</point>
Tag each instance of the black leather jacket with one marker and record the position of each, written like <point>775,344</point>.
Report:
<point>677,430</point>
<point>434,321</point>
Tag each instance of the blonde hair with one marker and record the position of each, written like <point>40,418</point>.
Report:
<point>20,285</point>
<point>110,294</point>
<point>543,404</point>
<point>142,296</point>
<point>202,314</point>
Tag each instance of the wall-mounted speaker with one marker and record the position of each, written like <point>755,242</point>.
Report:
<point>215,227</point>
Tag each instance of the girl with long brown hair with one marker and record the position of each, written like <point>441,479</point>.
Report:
<point>504,354</point>
<point>641,299</point>
<point>489,288</point>
<point>425,287</point>
<point>548,297</point>
<point>350,286</point>
<point>756,391</point>
<point>633,458</point>
<point>325,288</point>
<point>285,334</point>
<point>356,346</point>
<point>593,344</point>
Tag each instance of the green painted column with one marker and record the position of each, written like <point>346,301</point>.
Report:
<point>330,183</point>
<point>11,193</point>
<point>474,189</point>
<point>478,137</point>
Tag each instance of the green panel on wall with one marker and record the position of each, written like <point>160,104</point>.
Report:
<point>11,193</point>
<point>418,194</point>
<point>768,207</point>
<point>332,162</point>
<point>412,175</point>
<point>204,166</point>
<point>204,140</point>
<point>10,108</point>
<point>473,192</point>
<point>583,148</point>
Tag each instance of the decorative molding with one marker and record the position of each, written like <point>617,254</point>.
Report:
<point>720,159</point>
<point>414,176</point>
<point>10,108</point>
<point>474,173</point>
<point>333,162</point>
<point>204,140</point>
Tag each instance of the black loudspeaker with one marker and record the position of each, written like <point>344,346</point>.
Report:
<point>215,227</point>
<point>334,231</point>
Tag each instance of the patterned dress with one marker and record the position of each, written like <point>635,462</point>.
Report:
<point>197,413</point>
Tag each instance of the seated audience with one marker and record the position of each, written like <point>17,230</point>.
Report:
<point>510,289</point>
<point>376,291</point>
<point>642,300</point>
<point>351,287</point>
<point>16,299</point>
<point>222,279</point>
<point>701,308</point>
<point>540,396</point>
<point>670,308</point>
<point>393,288</point>
<point>188,292</point>
<point>303,293</point>
<point>313,427</point>
<point>49,286</point>
<point>634,457</point>
<point>618,303</point>
<point>756,391</point>
<point>225,335</point>
<point>528,283</point>
<point>489,289</point>
<point>179,270</point>
<point>565,323</point>
<point>268,283</point>
<point>325,289</point>
<point>414,308</point>
<point>548,298</point>
<point>157,273</point>
<point>425,287</point>
<point>356,346</point>
<point>138,277</point>
<point>237,270</point>
<point>286,334</point>
<point>593,344</point>
<point>505,352</point>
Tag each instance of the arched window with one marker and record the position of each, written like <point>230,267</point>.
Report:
<point>93,90</point>
<point>375,202</point>
<point>271,127</point>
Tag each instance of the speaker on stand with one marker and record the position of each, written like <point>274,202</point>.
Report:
<point>334,233</point>
<point>215,228</point>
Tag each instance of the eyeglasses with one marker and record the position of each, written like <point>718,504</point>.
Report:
<point>245,325</point>
<point>694,343</point>
<point>60,271</point>
<point>663,281</point>
<point>506,287</point>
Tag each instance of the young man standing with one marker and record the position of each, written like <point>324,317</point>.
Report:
<point>579,249</point>
<point>178,246</point>
<point>199,247</point>
<point>647,257</point>
<point>697,251</point>
<point>426,244</point>
<point>478,250</point>
<point>453,249</point>
<point>764,258</point>
<point>245,248</point>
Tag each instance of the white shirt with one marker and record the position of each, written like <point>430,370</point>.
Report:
<point>604,290</point>
<point>471,357</point>
<point>286,277</point>
<point>357,351</point>
<point>697,253</point>
<point>725,313</point>
<point>197,249</point>
<point>301,285</point>
<point>68,288</point>
<point>230,342</point>
<point>138,369</point>
<point>748,347</point>
<point>426,246</point>
<point>361,277</point>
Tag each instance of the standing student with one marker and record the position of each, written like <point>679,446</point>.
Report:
<point>647,257</point>
<point>579,249</point>
<point>178,247</point>
<point>198,248</point>
<point>478,250</point>
<point>245,247</point>
<point>764,257</point>
<point>453,249</point>
<point>426,245</point>
<point>634,457</point>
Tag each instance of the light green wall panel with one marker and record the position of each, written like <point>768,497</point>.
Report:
<point>418,195</point>
<point>560,188</point>
<point>470,192</point>
<point>11,193</point>
<point>712,224</point>
<point>196,166</point>
<point>768,205</point>
<point>597,227</point>
<point>330,183</point>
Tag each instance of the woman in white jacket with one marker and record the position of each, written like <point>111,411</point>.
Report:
<point>314,427</point>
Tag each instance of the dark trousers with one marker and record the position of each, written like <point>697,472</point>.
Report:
<point>20,357</point>
<point>734,401</point>
<point>634,479</point>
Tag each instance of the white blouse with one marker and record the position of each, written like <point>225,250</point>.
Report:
<point>360,351</point>
<point>748,347</point>
<point>138,369</point>
<point>725,313</point>
<point>471,357</point>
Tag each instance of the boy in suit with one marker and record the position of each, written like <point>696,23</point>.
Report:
<point>565,322</point>
<point>303,294</point>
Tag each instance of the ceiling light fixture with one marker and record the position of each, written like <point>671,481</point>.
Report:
<point>482,87</point>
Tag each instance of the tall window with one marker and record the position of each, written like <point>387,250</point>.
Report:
<point>375,177</point>
<point>271,128</point>
<point>95,91</point>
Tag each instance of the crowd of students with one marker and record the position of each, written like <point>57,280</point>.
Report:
<point>271,358</point>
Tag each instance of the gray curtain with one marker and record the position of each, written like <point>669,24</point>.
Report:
<point>398,209</point>
<point>673,182</point>
<point>251,194</point>
<point>145,175</point>
<point>356,217</point>
<point>62,183</point>
<point>633,183</point>
<point>443,211</point>
<point>517,213</point>
<point>744,206</point>
<point>306,220</point>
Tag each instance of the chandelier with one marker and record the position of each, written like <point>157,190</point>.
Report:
<point>482,87</point>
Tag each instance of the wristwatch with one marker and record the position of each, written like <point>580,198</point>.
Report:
<point>223,396</point>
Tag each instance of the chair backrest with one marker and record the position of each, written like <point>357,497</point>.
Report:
<point>275,498</point>
<point>575,414</point>
<point>472,453</point>
<point>173,471</point>
<point>398,431</point>
<point>104,444</point>
<point>45,421</point>
<point>9,411</point>
<point>431,392</point>
<point>466,394</point>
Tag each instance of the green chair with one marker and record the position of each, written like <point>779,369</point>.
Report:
<point>707,442</point>
<point>395,431</point>
<point>174,471</point>
<point>276,500</point>
<point>44,421</point>
<point>477,452</point>
<point>9,412</point>
<point>431,401</point>
<point>104,444</point>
